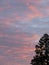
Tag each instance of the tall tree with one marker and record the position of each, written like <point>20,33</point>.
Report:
<point>42,51</point>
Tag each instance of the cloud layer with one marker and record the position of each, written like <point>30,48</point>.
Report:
<point>22,23</point>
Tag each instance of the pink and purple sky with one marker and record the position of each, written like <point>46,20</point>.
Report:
<point>22,23</point>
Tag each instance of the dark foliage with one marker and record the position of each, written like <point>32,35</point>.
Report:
<point>42,51</point>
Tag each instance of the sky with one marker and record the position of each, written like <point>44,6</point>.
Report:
<point>22,23</point>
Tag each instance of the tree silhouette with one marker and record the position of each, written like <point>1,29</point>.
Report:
<point>42,51</point>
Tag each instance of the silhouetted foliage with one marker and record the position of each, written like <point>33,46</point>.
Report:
<point>42,51</point>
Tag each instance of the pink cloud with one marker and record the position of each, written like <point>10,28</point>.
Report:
<point>1,35</point>
<point>12,63</point>
<point>35,10</point>
<point>2,46</point>
<point>1,9</point>
<point>1,57</point>
<point>33,37</point>
<point>21,52</point>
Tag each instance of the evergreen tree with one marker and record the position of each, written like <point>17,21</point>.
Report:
<point>42,51</point>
